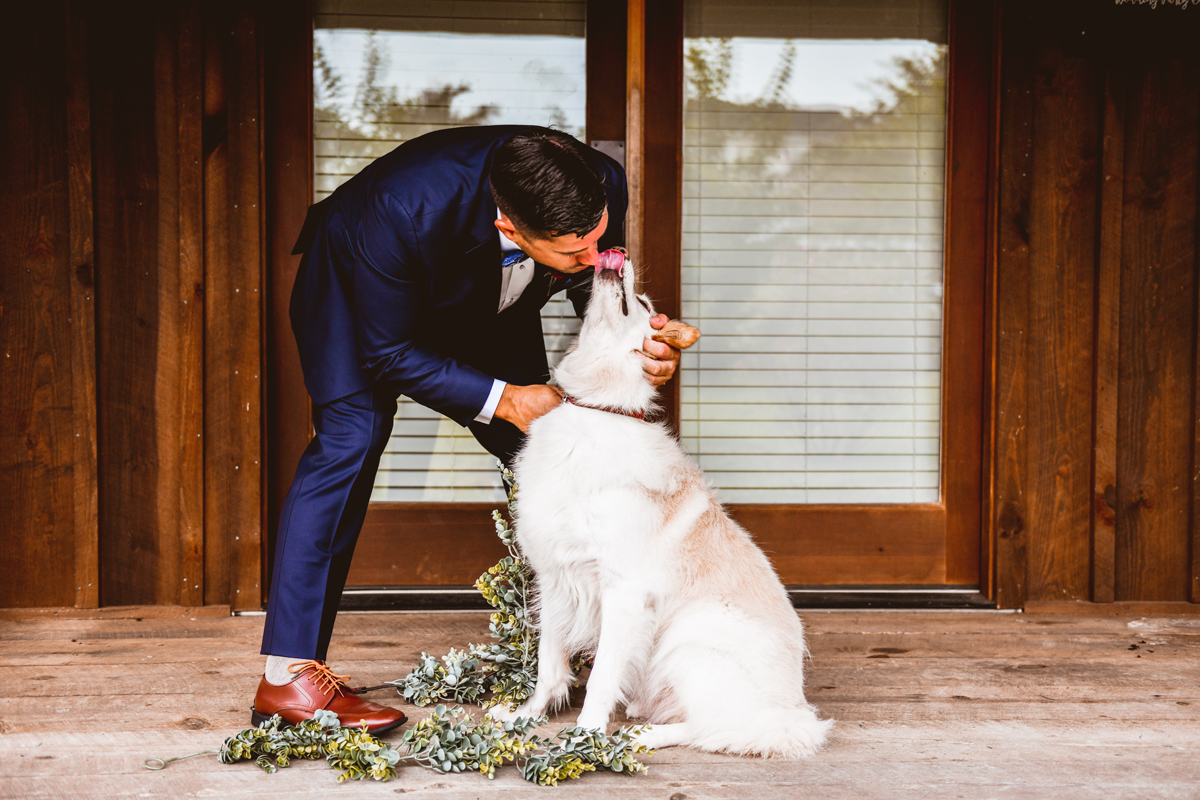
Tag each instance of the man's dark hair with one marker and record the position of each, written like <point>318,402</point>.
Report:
<point>545,182</point>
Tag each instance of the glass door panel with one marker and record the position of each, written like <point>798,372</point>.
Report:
<point>387,73</point>
<point>813,184</point>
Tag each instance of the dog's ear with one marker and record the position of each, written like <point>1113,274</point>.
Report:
<point>677,334</point>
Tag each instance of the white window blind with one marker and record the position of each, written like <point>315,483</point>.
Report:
<point>814,142</point>
<point>387,72</point>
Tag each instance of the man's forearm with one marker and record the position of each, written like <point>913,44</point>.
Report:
<point>521,405</point>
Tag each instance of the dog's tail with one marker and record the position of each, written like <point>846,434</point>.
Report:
<point>781,732</point>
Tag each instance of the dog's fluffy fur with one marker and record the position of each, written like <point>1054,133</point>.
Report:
<point>637,563</point>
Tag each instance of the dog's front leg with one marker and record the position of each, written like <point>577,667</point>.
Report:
<point>626,627</point>
<point>553,679</point>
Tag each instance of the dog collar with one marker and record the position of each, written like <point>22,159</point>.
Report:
<point>634,414</point>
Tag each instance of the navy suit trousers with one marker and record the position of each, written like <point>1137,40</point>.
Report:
<point>323,514</point>
<point>320,520</point>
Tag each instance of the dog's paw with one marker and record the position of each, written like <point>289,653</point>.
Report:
<point>592,723</point>
<point>648,739</point>
<point>656,737</point>
<point>501,713</point>
<point>633,710</point>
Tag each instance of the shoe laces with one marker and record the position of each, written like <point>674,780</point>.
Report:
<point>325,678</point>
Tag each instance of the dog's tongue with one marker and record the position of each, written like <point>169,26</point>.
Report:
<point>612,259</point>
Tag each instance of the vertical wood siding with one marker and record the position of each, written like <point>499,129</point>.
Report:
<point>288,138</point>
<point>233,250</point>
<point>37,328</point>
<point>1059,357</point>
<point>83,314</point>
<point>133,300</point>
<point>136,559</point>
<point>1106,377</point>
<point>1011,448</point>
<point>1157,330</point>
<point>130,307</point>
<point>1097,301</point>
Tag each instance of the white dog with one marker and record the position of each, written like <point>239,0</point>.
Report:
<point>636,562</point>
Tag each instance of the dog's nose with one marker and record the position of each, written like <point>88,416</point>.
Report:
<point>612,259</point>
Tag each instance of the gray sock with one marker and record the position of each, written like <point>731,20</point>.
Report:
<point>277,673</point>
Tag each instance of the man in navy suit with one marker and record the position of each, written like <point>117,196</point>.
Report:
<point>423,276</point>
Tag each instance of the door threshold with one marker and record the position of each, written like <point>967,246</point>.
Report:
<point>467,598</point>
<point>882,598</point>
<point>412,598</point>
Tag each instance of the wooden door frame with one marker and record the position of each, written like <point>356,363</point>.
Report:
<point>861,544</point>
<point>855,544</point>
<point>438,531</point>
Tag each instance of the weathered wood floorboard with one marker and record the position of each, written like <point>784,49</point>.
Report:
<point>167,651</point>
<point>1100,679</point>
<point>927,704</point>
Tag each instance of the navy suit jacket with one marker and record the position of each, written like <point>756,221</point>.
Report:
<point>400,279</point>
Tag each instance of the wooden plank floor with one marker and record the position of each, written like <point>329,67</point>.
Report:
<point>930,705</point>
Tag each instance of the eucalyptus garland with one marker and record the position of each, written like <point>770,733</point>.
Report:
<point>505,671</point>
<point>449,740</point>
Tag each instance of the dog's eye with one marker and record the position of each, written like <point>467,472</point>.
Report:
<point>645,305</point>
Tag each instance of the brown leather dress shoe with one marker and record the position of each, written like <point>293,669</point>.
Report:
<point>318,687</point>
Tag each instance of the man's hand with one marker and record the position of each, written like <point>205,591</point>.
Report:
<point>659,361</point>
<point>521,405</point>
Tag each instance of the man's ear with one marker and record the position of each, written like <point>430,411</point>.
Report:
<point>506,227</point>
<point>678,334</point>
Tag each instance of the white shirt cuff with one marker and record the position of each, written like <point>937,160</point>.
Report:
<point>489,408</point>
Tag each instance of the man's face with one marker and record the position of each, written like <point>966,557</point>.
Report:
<point>568,253</point>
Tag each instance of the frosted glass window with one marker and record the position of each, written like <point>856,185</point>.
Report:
<point>814,148</point>
<point>385,73</point>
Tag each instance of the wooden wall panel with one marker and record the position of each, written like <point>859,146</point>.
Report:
<point>37,428</point>
<point>1194,517</point>
<point>144,83</point>
<point>1158,307</point>
<point>288,140</point>
<point>1063,204</point>
<point>1105,380</point>
<point>1096,374</point>
<point>187,299</point>
<point>179,356</point>
<point>135,560</point>
<point>83,312</point>
<point>234,263</point>
<point>132,387</point>
<point>132,297</point>
<point>1010,529</point>
<point>130,421</point>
